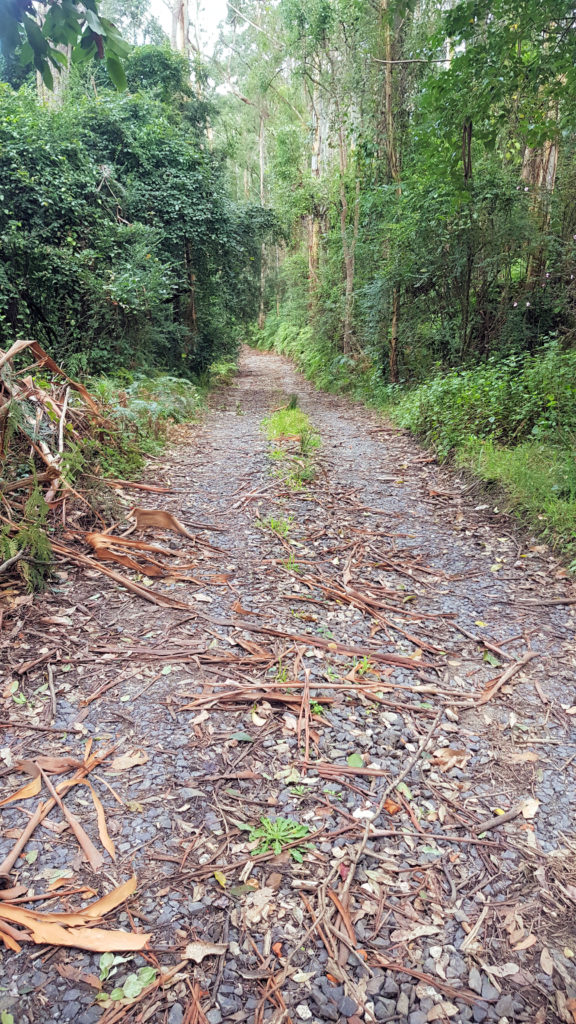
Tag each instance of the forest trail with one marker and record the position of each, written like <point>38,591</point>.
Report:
<point>428,627</point>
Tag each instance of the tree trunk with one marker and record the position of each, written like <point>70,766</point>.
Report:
<point>539,172</point>
<point>394,339</point>
<point>262,312</point>
<point>349,250</point>
<point>394,171</point>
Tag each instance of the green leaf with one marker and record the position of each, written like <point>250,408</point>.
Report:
<point>355,761</point>
<point>117,994</point>
<point>404,790</point>
<point>133,986</point>
<point>6,1018</point>
<point>242,737</point>
<point>105,963</point>
<point>116,72</point>
<point>491,659</point>
<point>146,975</point>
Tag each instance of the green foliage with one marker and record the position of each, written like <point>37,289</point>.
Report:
<point>279,526</point>
<point>503,400</point>
<point>538,482</point>
<point>276,833</point>
<point>31,539</point>
<point>287,423</point>
<point>119,245</point>
<point>70,23</point>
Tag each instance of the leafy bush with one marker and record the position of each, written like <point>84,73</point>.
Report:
<point>507,400</point>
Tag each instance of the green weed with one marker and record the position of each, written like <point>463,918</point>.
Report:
<point>281,527</point>
<point>286,423</point>
<point>276,833</point>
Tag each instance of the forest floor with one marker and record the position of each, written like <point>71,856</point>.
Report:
<point>379,657</point>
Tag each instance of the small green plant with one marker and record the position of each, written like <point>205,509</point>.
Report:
<point>316,709</point>
<point>281,676</point>
<point>363,666</point>
<point>277,454</point>
<point>29,544</point>
<point>292,403</point>
<point>291,565</point>
<point>281,527</point>
<point>298,790</point>
<point>132,986</point>
<point>309,441</point>
<point>286,423</point>
<point>109,963</point>
<point>276,833</point>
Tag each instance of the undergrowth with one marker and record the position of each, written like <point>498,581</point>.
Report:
<point>511,421</point>
<point>292,427</point>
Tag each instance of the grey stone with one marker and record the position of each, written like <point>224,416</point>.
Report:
<point>390,987</point>
<point>475,980</point>
<point>376,982</point>
<point>176,1015</point>
<point>402,1005</point>
<point>214,1016</point>
<point>326,1011</point>
<point>488,990</point>
<point>417,1017</point>
<point>505,1006</point>
<point>347,1006</point>
<point>479,1012</point>
<point>384,1008</point>
<point>90,1016</point>
<point>70,1011</point>
<point>228,1004</point>
<point>73,993</point>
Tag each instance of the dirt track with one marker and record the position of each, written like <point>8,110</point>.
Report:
<point>394,595</point>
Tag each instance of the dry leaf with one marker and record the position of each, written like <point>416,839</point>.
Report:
<point>407,934</point>
<point>75,974</point>
<point>391,806</point>
<point>530,808</point>
<point>522,756</point>
<point>446,758</point>
<point>129,760</point>
<point>546,962</point>
<point>69,929</point>
<point>198,950</point>
<point>526,943</point>
<point>156,517</point>
<point>31,788</point>
<point>54,765</point>
<point>502,970</point>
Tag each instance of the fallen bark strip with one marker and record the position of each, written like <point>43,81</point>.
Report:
<point>493,687</point>
<point>153,596</point>
<point>333,645</point>
<point>456,993</point>
<point>42,811</point>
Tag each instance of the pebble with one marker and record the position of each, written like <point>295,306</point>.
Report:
<point>214,1016</point>
<point>384,1008</point>
<point>488,990</point>
<point>347,1006</point>
<point>176,1015</point>
<point>475,980</point>
<point>303,1012</point>
<point>402,1005</point>
<point>505,1006</point>
<point>418,1017</point>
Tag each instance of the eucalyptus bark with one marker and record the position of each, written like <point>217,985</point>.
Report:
<point>394,171</point>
